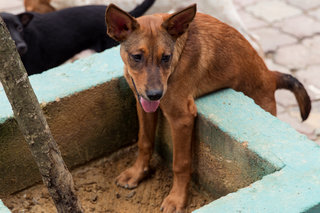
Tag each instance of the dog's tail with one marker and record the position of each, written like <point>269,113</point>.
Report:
<point>141,8</point>
<point>286,81</point>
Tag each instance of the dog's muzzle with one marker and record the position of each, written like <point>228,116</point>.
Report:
<point>148,105</point>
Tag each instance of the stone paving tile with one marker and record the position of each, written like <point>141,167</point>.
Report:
<point>242,3</point>
<point>314,44</point>
<point>300,26</point>
<point>293,56</point>
<point>250,21</point>
<point>285,98</point>
<point>310,127</point>
<point>305,4</point>
<point>9,4</point>
<point>315,13</point>
<point>301,55</point>
<point>314,117</point>
<point>273,10</point>
<point>276,67</point>
<point>280,109</point>
<point>295,122</point>
<point>272,38</point>
<point>12,6</point>
<point>310,77</point>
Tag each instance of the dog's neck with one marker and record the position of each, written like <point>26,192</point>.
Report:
<point>178,48</point>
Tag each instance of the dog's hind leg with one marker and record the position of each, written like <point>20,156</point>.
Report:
<point>181,116</point>
<point>131,177</point>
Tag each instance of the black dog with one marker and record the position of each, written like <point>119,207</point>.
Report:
<point>47,40</point>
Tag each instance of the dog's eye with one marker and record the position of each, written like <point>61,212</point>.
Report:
<point>19,28</point>
<point>136,57</point>
<point>166,58</point>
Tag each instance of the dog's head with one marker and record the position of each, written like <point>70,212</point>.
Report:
<point>148,49</point>
<point>39,6</point>
<point>16,25</point>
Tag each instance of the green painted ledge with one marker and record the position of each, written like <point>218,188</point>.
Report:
<point>295,187</point>
<point>70,78</point>
<point>3,208</point>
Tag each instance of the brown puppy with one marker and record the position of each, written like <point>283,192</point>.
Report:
<point>40,6</point>
<point>172,59</point>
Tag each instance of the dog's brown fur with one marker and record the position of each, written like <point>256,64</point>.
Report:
<point>39,6</point>
<point>207,55</point>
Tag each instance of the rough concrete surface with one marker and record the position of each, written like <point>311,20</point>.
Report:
<point>86,125</point>
<point>220,163</point>
<point>295,187</point>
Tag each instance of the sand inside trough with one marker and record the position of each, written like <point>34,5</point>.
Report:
<point>98,192</point>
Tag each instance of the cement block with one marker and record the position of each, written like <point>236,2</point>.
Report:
<point>221,164</point>
<point>3,208</point>
<point>90,111</point>
<point>295,187</point>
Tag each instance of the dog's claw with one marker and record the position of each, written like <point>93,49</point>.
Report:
<point>126,186</point>
<point>161,208</point>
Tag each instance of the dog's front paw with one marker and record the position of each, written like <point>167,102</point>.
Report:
<point>174,203</point>
<point>130,178</point>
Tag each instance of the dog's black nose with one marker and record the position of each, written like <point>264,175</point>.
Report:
<point>154,95</point>
<point>22,49</point>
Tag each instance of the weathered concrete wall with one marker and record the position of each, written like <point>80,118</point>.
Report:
<point>220,164</point>
<point>295,187</point>
<point>3,208</point>
<point>86,124</point>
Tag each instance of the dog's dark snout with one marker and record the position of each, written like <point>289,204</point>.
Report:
<point>154,95</point>
<point>22,48</point>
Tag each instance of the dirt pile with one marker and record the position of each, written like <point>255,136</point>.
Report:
<point>95,183</point>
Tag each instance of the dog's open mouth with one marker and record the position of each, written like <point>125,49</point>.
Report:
<point>149,106</point>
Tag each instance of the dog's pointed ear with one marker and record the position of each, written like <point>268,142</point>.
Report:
<point>178,23</point>
<point>25,18</point>
<point>120,24</point>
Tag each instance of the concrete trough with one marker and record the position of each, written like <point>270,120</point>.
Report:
<point>247,158</point>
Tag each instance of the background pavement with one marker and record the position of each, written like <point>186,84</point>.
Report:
<point>289,32</point>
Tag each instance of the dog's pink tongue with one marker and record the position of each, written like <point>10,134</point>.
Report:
<point>149,106</point>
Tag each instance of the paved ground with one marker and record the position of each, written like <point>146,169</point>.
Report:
<point>289,32</point>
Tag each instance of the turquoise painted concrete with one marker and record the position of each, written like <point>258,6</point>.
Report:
<point>3,208</point>
<point>70,78</point>
<point>295,188</point>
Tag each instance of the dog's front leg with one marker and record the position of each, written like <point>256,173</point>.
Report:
<point>181,120</point>
<point>131,177</point>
